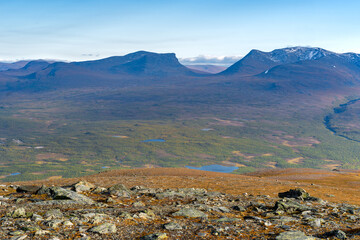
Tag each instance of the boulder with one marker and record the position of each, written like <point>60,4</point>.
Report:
<point>82,186</point>
<point>119,190</point>
<point>297,193</point>
<point>155,236</point>
<point>104,228</point>
<point>59,193</point>
<point>53,214</point>
<point>190,213</point>
<point>27,189</point>
<point>294,235</point>
<point>289,206</point>
<point>337,234</point>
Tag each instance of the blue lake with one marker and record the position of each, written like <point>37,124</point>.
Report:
<point>14,174</point>
<point>154,140</point>
<point>215,168</point>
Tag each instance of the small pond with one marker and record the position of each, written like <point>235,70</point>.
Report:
<point>154,140</point>
<point>215,168</point>
<point>14,174</point>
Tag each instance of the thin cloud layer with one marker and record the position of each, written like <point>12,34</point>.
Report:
<point>224,61</point>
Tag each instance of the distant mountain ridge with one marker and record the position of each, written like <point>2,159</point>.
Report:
<point>257,61</point>
<point>141,67</point>
<point>13,65</point>
<point>295,69</point>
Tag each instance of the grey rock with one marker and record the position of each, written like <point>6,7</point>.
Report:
<point>53,214</point>
<point>30,227</point>
<point>239,208</point>
<point>41,232</point>
<point>226,219</point>
<point>294,235</point>
<point>43,190</point>
<point>99,190</point>
<point>289,206</point>
<point>337,234</point>
<point>138,204</point>
<point>155,236</point>
<point>172,226</point>
<point>16,233</point>
<point>222,209</point>
<point>190,213</point>
<point>82,186</point>
<point>19,237</point>
<point>119,190</point>
<point>18,213</point>
<point>56,202</point>
<point>27,189</point>
<point>53,223</point>
<point>104,228</point>
<point>297,193</point>
<point>36,217</point>
<point>65,194</point>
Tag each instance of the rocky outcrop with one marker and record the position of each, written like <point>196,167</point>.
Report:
<point>84,211</point>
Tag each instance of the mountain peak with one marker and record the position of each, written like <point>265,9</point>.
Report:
<point>257,61</point>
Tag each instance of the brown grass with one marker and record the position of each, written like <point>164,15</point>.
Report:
<point>55,156</point>
<point>343,185</point>
<point>297,160</point>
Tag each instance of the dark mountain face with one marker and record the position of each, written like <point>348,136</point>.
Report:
<point>139,68</point>
<point>289,70</point>
<point>14,65</point>
<point>30,67</point>
<point>138,63</point>
<point>257,62</point>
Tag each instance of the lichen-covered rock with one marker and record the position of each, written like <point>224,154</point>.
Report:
<point>27,189</point>
<point>104,228</point>
<point>294,235</point>
<point>53,214</point>
<point>119,190</point>
<point>338,234</point>
<point>64,194</point>
<point>172,226</point>
<point>190,213</point>
<point>289,206</point>
<point>18,213</point>
<point>155,236</point>
<point>297,193</point>
<point>83,186</point>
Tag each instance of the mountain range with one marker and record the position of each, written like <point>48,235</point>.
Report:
<point>267,110</point>
<point>297,68</point>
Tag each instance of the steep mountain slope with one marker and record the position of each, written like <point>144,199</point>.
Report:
<point>30,67</point>
<point>15,65</point>
<point>139,68</point>
<point>257,61</point>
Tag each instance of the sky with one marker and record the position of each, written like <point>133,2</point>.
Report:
<point>213,30</point>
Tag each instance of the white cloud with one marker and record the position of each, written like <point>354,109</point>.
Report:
<point>202,59</point>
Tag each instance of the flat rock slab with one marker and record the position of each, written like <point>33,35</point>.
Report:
<point>294,235</point>
<point>190,213</point>
<point>66,194</point>
<point>27,189</point>
<point>104,228</point>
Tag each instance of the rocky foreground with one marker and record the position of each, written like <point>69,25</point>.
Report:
<point>86,211</point>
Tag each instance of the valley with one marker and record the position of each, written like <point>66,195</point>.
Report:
<point>61,121</point>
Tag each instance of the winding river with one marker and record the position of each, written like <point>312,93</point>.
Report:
<point>342,108</point>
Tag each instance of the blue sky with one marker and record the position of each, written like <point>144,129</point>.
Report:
<point>90,29</point>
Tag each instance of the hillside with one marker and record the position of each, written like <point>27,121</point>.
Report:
<point>178,203</point>
<point>146,109</point>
